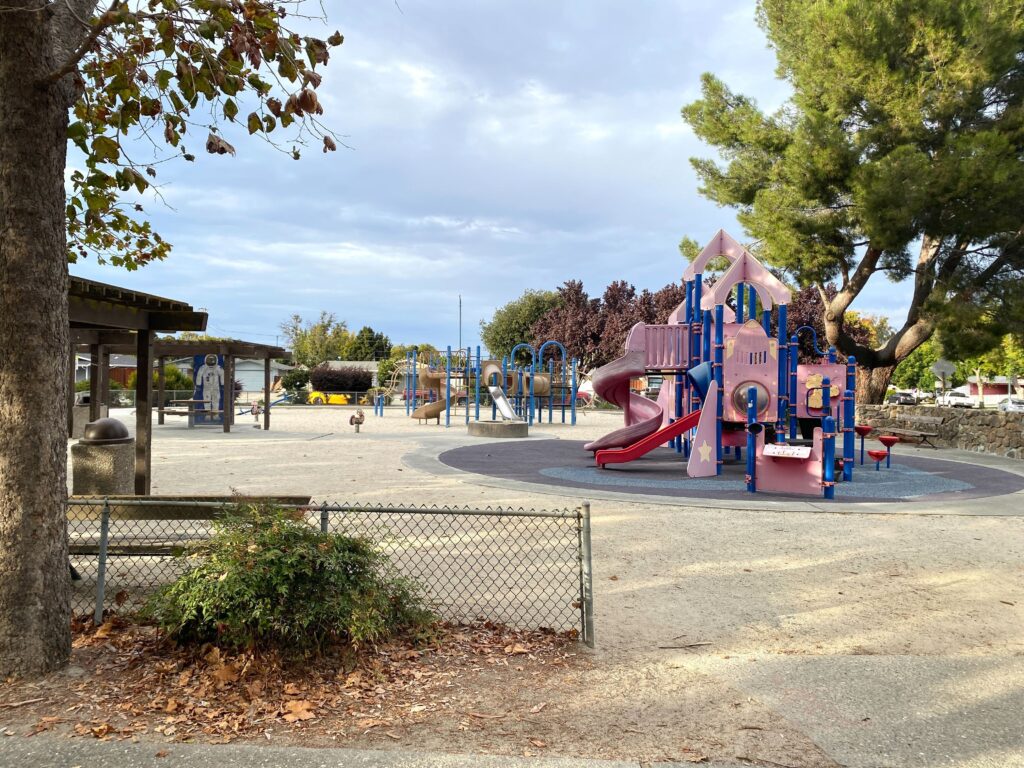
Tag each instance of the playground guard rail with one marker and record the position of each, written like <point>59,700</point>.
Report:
<point>523,568</point>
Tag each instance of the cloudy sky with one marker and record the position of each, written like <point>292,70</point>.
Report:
<point>494,147</point>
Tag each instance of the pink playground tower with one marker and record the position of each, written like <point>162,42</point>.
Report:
<point>728,384</point>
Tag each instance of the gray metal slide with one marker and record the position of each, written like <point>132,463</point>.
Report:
<point>504,406</point>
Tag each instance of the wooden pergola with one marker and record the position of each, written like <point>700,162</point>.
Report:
<point>105,317</point>
<point>231,349</point>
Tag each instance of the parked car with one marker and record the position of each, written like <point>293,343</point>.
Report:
<point>955,399</point>
<point>1011,405</point>
<point>327,398</point>
<point>901,398</point>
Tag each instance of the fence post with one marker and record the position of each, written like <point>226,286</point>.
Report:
<point>586,579</point>
<point>101,571</point>
<point>323,517</point>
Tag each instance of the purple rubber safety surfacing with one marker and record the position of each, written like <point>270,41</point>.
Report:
<point>564,463</point>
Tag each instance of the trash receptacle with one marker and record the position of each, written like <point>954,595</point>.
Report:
<point>103,461</point>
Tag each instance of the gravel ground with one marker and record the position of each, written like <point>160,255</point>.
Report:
<point>721,632</point>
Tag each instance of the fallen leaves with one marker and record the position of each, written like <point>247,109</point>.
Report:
<point>297,709</point>
<point>134,683</point>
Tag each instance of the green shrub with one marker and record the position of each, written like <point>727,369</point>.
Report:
<point>327,379</point>
<point>268,580</point>
<point>294,383</point>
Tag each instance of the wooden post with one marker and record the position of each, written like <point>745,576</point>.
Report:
<point>160,381</point>
<point>229,390</point>
<point>266,393</point>
<point>103,370</point>
<point>71,391</point>
<point>143,412</point>
<point>95,395</point>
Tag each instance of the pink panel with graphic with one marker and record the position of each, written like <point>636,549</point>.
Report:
<point>703,461</point>
<point>797,469</point>
<point>810,377</point>
<point>751,360</point>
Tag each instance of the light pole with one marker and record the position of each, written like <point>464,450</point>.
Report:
<point>460,321</point>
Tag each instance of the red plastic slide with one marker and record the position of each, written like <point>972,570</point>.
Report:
<point>647,444</point>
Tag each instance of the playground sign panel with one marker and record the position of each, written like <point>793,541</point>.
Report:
<point>781,451</point>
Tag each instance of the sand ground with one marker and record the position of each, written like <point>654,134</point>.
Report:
<point>816,638</point>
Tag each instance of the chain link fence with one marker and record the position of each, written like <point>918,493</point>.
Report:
<point>523,568</point>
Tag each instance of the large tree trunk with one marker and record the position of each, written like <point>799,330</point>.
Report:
<point>34,577</point>
<point>872,384</point>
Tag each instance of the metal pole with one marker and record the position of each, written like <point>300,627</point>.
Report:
<point>415,376</point>
<point>551,390</point>
<point>828,426</point>
<point>741,301</point>
<point>783,401</point>
<point>794,356</point>
<point>706,338</point>
<point>752,304</point>
<point>323,517</point>
<point>719,380</point>
<point>574,391</point>
<point>587,579</point>
<point>448,389</point>
<point>751,439</point>
<point>465,378</point>
<point>101,571</point>
<point>848,442</point>
<point>477,386</point>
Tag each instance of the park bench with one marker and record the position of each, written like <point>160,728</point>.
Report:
<point>923,436</point>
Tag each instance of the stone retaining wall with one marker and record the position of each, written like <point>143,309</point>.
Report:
<point>985,431</point>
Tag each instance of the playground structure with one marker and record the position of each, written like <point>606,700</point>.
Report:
<point>436,384</point>
<point>729,385</point>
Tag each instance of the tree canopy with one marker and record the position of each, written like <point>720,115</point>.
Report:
<point>511,323</point>
<point>312,342</point>
<point>898,154</point>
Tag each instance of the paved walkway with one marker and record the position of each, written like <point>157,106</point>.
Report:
<point>44,752</point>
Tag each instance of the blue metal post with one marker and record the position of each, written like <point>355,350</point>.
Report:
<point>573,404</point>
<point>533,400</point>
<point>793,357</point>
<point>828,474</point>
<point>826,396</point>
<point>551,390</point>
<point>407,381</point>
<point>706,338</point>
<point>751,440</point>
<point>465,377</point>
<point>848,442</point>
<point>752,304</point>
<point>741,301</point>
<point>766,322</point>
<point>831,354</point>
<point>783,335</point>
<point>448,389</point>
<point>719,348</point>
<point>477,387</point>
<point>415,376</point>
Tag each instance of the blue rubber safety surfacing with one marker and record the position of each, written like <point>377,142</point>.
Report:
<point>564,463</point>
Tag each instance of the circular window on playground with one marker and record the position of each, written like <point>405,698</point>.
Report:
<point>739,396</point>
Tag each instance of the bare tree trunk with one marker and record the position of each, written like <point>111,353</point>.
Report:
<point>34,576</point>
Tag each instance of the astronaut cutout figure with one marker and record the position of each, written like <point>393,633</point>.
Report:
<point>210,378</point>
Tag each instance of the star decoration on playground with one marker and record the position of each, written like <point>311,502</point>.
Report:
<point>705,451</point>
